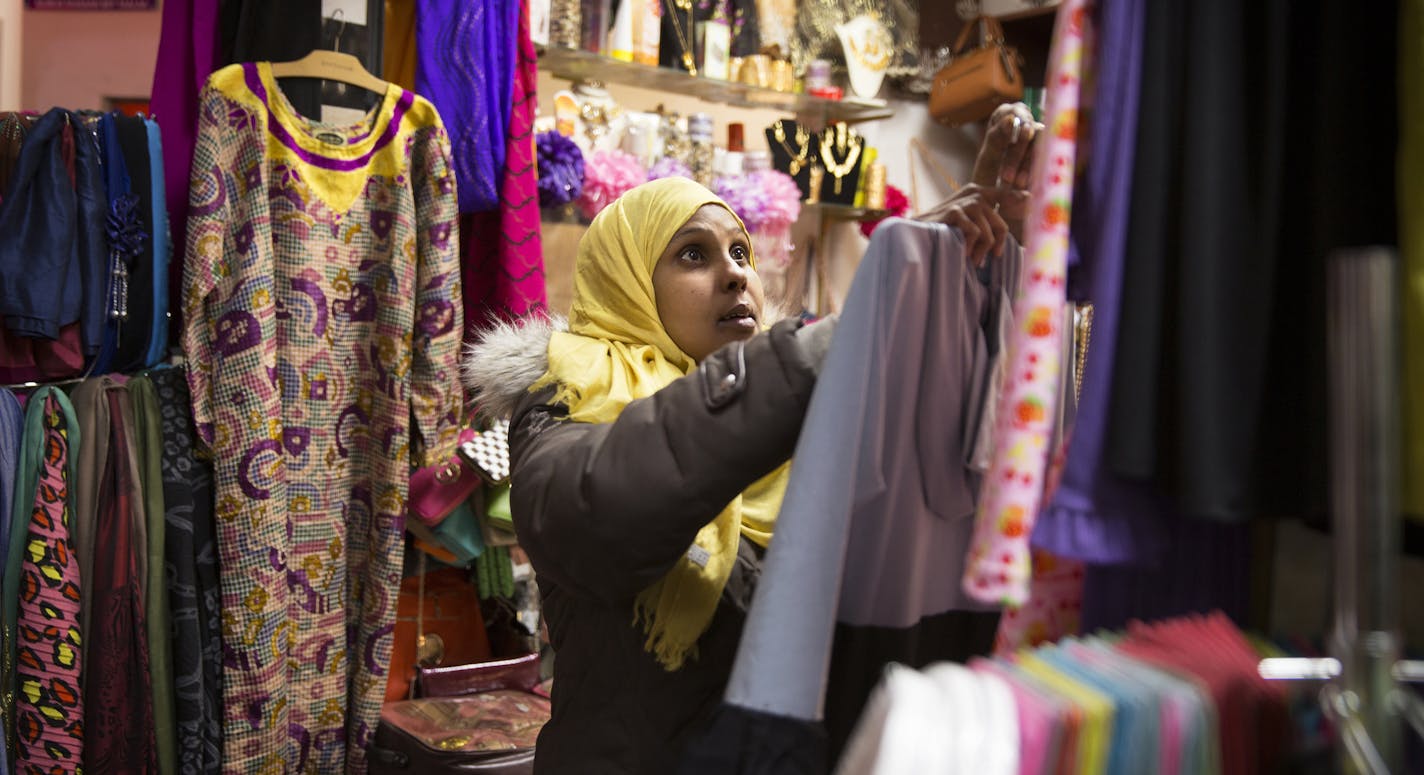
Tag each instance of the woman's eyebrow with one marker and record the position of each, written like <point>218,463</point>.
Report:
<point>693,231</point>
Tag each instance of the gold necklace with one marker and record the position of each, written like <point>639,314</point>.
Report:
<point>803,140</point>
<point>841,169</point>
<point>683,5</point>
<point>870,50</point>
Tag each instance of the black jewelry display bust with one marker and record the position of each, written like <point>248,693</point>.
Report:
<point>794,150</point>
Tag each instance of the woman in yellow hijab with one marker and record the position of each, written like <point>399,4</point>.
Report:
<point>649,443</point>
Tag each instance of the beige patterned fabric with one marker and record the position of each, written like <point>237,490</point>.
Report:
<point>322,327</point>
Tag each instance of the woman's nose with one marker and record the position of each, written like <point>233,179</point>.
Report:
<point>736,274</point>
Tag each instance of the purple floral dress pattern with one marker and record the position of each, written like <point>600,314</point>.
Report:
<point>322,327</point>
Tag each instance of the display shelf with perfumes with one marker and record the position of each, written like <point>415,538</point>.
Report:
<point>575,65</point>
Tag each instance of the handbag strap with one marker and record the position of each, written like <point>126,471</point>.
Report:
<point>916,145</point>
<point>990,32</point>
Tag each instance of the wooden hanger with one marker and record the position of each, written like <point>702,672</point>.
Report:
<point>329,65</point>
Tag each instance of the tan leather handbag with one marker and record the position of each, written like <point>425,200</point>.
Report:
<point>978,80</point>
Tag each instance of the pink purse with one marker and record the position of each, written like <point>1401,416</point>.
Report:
<point>435,491</point>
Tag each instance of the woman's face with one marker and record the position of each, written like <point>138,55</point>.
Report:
<point>707,292</point>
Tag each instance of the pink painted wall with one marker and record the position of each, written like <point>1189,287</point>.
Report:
<point>78,58</point>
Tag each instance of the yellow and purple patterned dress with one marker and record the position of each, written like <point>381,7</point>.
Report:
<point>322,325</point>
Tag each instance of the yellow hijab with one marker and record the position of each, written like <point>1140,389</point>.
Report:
<point>616,350</point>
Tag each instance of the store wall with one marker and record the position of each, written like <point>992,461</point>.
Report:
<point>11,46</point>
<point>78,59</point>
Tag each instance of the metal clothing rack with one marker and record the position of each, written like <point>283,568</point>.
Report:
<point>1362,690</point>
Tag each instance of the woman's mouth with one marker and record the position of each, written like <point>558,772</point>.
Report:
<point>738,318</point>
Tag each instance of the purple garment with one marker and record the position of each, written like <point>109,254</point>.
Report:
<point>467,51</point>
<point>1203,566</point>
<point>187,52</point>
<point>1095,516</point>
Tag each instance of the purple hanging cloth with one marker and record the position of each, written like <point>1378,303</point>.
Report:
<point>1095,516</point>
<point>187,53</point>
<point>466,58</point>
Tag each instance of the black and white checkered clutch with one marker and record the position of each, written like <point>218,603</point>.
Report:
<point>488,453</point>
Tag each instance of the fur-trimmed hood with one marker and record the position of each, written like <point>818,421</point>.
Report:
<point>508,358</point>
<point>501,365</point>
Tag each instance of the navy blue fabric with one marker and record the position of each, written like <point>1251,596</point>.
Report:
<point>116,187</point>
<point>52,246</point>
<point>137,329</point>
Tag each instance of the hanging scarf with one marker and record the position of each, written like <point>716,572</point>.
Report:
<point>616,350</point>
<point>999,565</point>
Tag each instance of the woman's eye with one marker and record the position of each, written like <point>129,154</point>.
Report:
<point>740,254</point>
<point>691,254</point>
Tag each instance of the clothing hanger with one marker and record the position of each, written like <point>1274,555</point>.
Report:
<point>331,66</point>
<point>327,65</point>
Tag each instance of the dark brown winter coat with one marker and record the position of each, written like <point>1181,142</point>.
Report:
<point>604,510</point>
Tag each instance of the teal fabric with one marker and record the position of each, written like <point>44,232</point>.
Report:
<point>460,533</point>
<point>12,427</point>
<point>22,504</point>
<point>1197,729</point>
<point>162,248</point>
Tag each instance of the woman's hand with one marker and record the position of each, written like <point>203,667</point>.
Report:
<point>995,202</point>
<point>977,211</point>
<point>1005,159</point>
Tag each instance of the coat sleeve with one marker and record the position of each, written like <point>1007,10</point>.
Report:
<point>606,509</point>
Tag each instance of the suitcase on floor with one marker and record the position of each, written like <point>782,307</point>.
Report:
<point>482,718</point>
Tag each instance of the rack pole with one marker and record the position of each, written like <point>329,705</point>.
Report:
<point>1363,362</point>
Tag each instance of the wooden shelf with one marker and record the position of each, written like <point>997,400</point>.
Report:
<point>577,65</point>
<point>835,212</point>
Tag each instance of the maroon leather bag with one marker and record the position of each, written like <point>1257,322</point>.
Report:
<point>520,673</point>
<point>479,718</point>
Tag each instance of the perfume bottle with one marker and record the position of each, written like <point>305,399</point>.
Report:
<point>699,132</point>
<point>565,23</point>
<point>596,18</point>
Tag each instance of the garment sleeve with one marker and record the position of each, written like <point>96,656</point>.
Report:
<point>212,193</point>
<point>436,393</point>
<point>606,509</point>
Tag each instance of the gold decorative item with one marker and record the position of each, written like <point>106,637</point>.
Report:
<point>734,69</point>
<point>1082,332</point>
<point>818,175</point>
<point>848,143</point>
<point>868,50</point>
<point>756,70</point>
<point>802,148</point>
<point>699,132</point>
<point>783,76</point>
<point>815,36</point>
<point>565,24</point>
<point>429,650</point>
<point>684,35</point>
<point>875,187</point>
<point>674,139</point>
